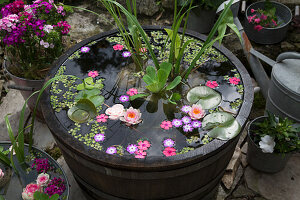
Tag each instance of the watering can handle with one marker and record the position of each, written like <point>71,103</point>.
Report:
<point>288,55</point>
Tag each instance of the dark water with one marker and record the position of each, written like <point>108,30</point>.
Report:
<point>156,108</point>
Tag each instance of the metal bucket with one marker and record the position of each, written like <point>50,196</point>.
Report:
<point>265,162</point>
<point>268,35</point>
<point>201,20</point>
<point>27,87</point>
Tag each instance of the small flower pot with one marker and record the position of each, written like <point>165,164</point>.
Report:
<point>268,35</point>
<point>265,162</point>
<point>201,20</point>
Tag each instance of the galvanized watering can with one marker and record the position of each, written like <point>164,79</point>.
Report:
<point>282,91</point>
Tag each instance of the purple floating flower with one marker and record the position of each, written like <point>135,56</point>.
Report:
<point>55,186</point>
<point>176,122</point>
<point>99,137</point>
<point>186,120</point>
<point>124,98</point>
<point>85,49</point>
<point>41,164</point>
<point>169,142</point>
<point>188,128</point>
<point>196,124</point>
<point>186,109</point>
<point>111,150</point>
<point>126,54</point>
<point>132,148</point>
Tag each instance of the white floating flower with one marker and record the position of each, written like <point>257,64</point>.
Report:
<point>267,144</point>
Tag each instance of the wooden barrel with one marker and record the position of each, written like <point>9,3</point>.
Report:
<point>192,175</point>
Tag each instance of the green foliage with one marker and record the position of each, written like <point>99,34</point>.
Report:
<point>42,196</point>
<point>207,4</point>
<point>224,126</point>
<point>205,96</point>
<point>83,110</point>
<point>156,79</point>
<point>284,132</point>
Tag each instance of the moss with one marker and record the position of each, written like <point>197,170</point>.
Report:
<point>54,152</point>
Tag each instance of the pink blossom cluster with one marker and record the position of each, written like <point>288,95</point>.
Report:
<point>260,20</point>
<point>65,27</point>
<point>143,146</point>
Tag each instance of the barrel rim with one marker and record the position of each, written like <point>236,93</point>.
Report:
<point>151,163</point>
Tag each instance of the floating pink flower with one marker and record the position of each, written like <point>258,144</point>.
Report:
<point>118,47</point>
<point>99,137</point>
<point>93,74</point>
<point>30,189</point>
<point>196,124</point>
<point>42,179</point>
<point>196,112</point>
<point>186,120</point>
<point>132,92</point>
<point>111,150</point>
<point>140,154</point>
<point>85,49</point>
<point>131,116</point>
<point>234,80</point>
<point>115,112</point>
<point>274,22</point>
<point>166,125</point>
<point>102,118</point>
<point>126,54</point>
<point>188,128</point>
<point>143,50</point>
<point>144,145</point>
<point>124,98</point>
<point>250,18</point>
<point>212,84</point>
<point>169,151</point>
<point>176,122</point>
<point>257,20</point>
<point>252,10</point>
<point>263,17</point>
<point>169,142</point>
<point>186,109</point>
<point>132,148</point>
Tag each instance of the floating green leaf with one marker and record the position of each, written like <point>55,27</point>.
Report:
<point>174,83</point>
<point>83,111</point>
<point>141,95</point>
<point>224,126</point>
<point>205,96</point>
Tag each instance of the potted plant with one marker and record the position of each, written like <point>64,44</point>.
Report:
<point>267,22</point>
<point>27,172</point>
<point>202,16</point>
<point>271,141</point>
<point>32,36</point>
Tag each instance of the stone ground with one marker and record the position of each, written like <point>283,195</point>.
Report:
<point>240,181</point>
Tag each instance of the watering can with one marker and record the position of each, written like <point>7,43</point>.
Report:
<point>282,91</point>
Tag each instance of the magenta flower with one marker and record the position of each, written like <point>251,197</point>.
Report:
<point>132,148</point>
<point>85,49</point>
<point>111,150</point>
<point>140,154</point>
<point>252,10</point>
<point>169,151</point>
<point>143,50</point>
<point>234,80</point>
<point>166,125</point>
<point>118,47</point>
<point>212,84</point>
<point>132,92</point>
<point>196,124</point>
<point>257,20</point>
<point>144,145</point>
<point>131,116</point>
<point>186,109</point>
<point>188,128</point>
<point>263,17</point>
<point>176,122</point>
<point>124,98</point>
<point>250,18</point>
<point>197,112</point>
<point>186,120</point>
<point>102,118</point>
<point>274,22</point>
<point>41,165</point>
<point>169,142</point>
<point>55,186</point>
<point>93,74</point>
<point>126,54</point>
<point>99,137</point>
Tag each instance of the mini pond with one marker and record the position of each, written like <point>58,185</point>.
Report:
<point>165,142</point>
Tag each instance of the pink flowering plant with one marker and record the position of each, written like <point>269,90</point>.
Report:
<point>32,36</point>
<point>264,17</point>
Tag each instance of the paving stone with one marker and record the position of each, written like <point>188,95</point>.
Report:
<point>42,136</point>
<point>245,148</point>
<point>259,198</point>
<point>75,191</point>
<point>279,186</point>
<point>235,160</point>
<point>242,137</point>
<point>231,179</point>
<point>243,191</point>
<point>244,161</point>
<point>222,194</point>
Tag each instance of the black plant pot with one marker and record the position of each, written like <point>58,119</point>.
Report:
<point>13,186</point>
<point>268,35</point>
<point>27,87</point>
<point>265,162</point>
<point>201,20</point>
